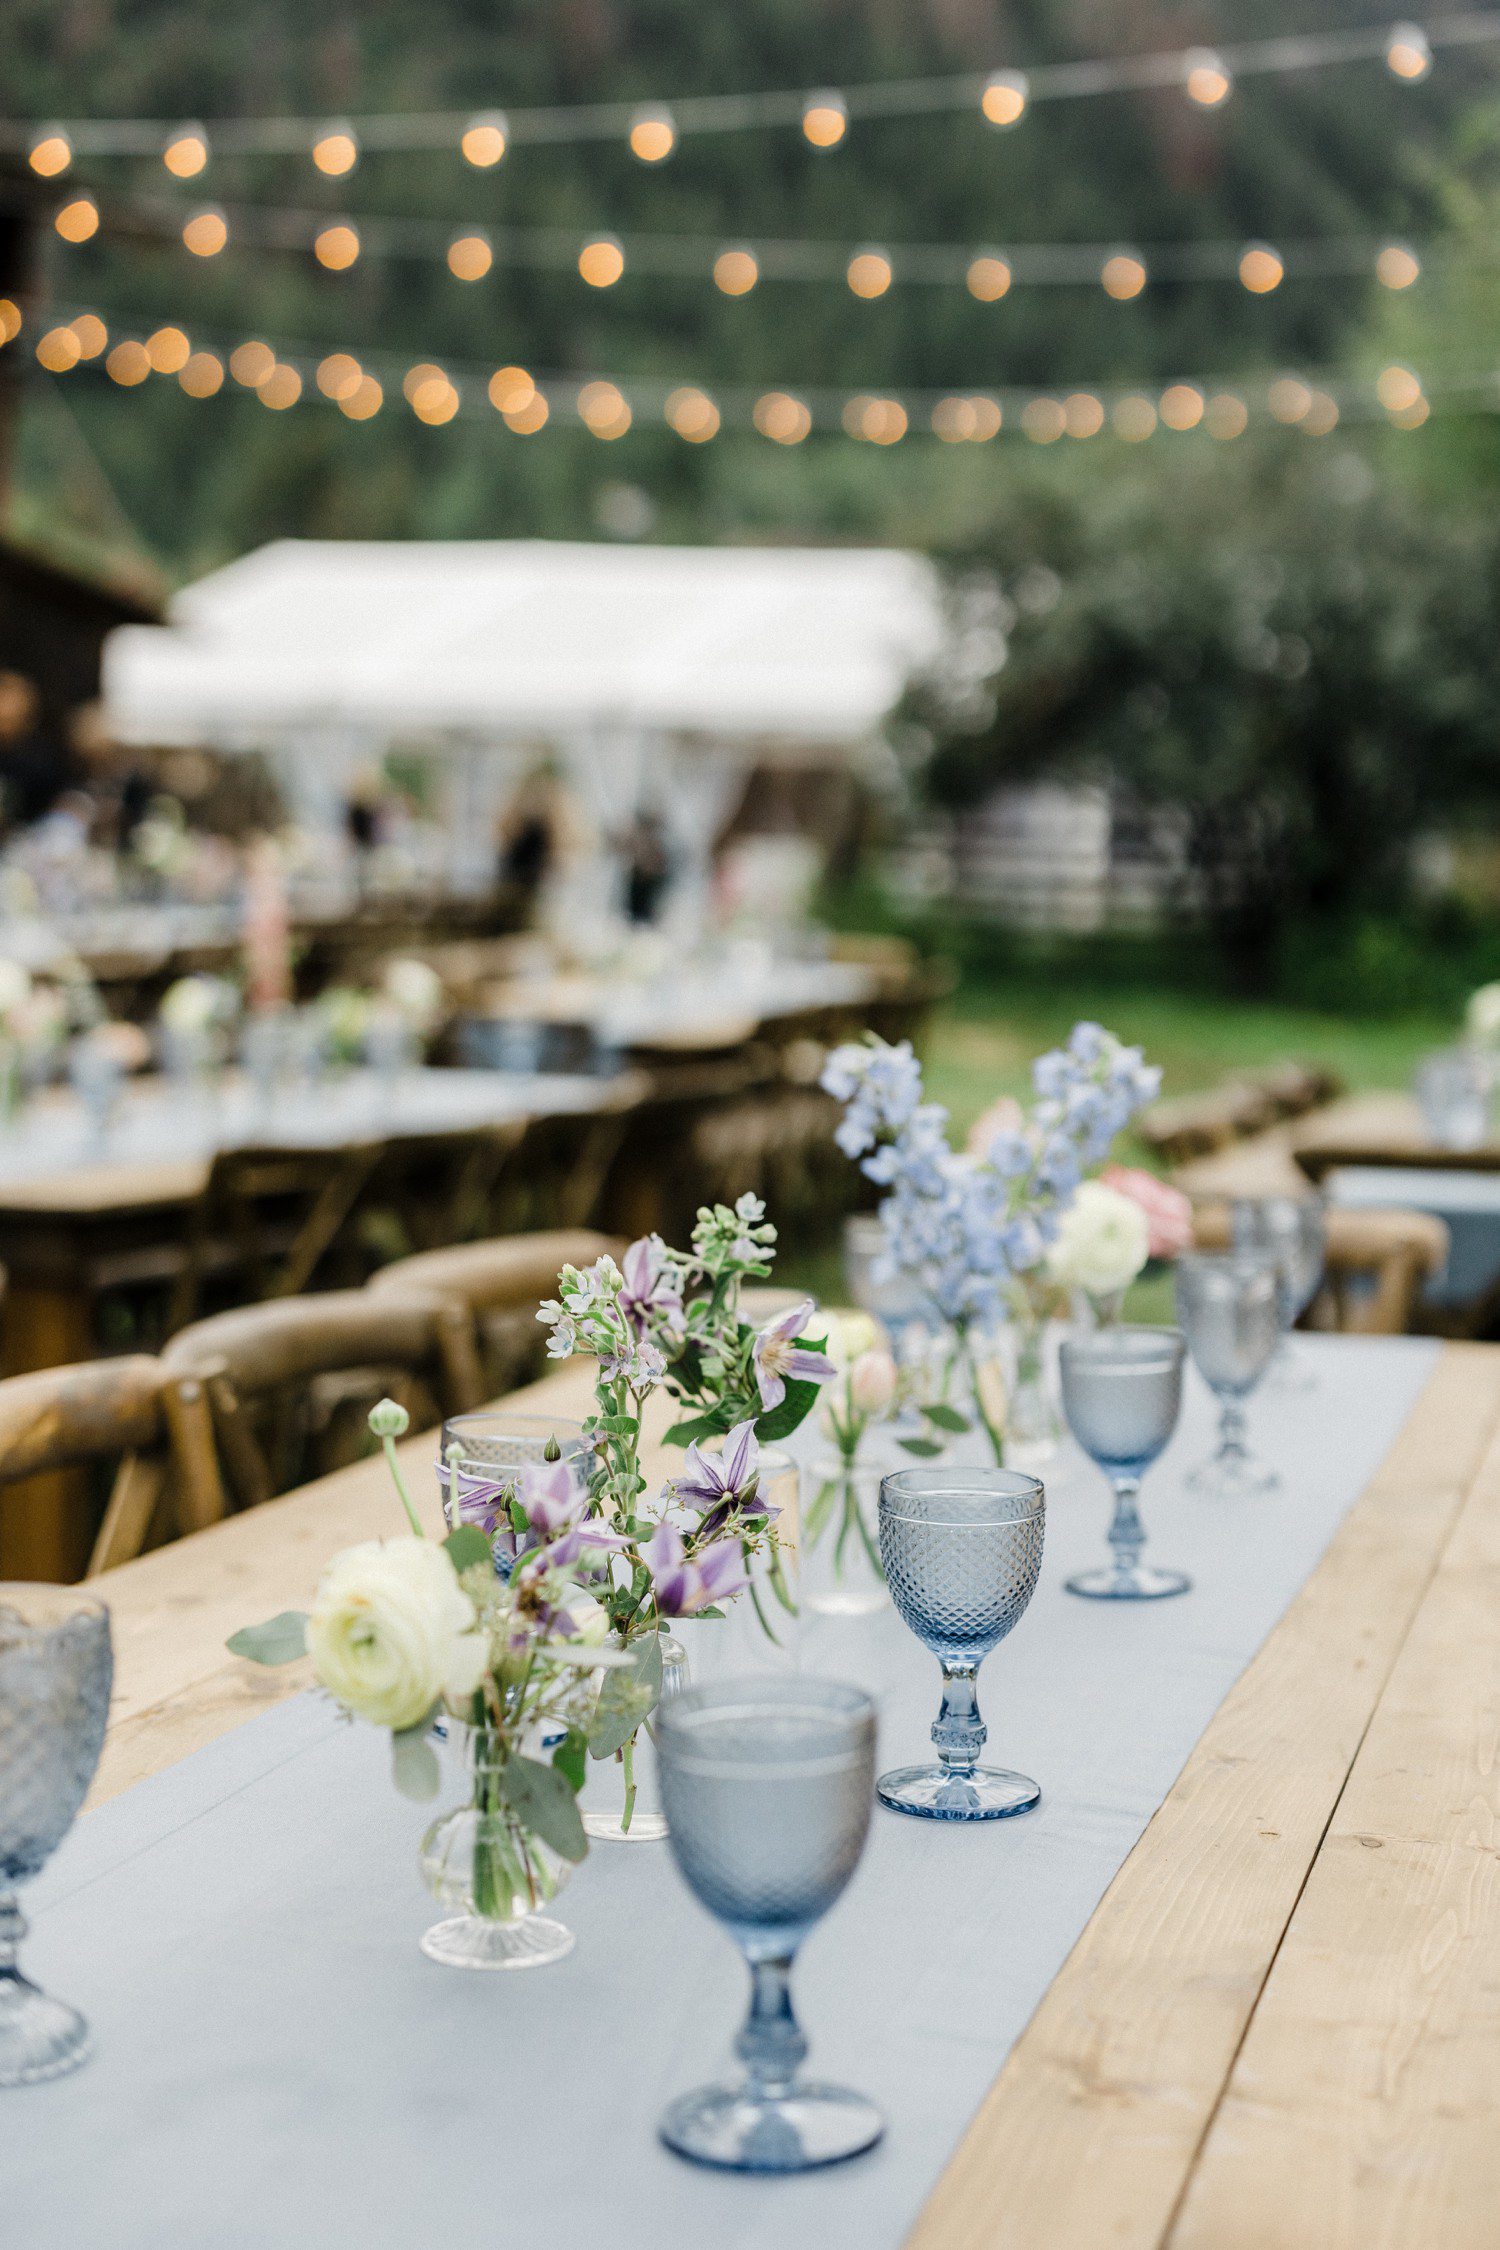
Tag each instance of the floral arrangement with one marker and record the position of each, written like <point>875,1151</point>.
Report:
<point>972,1225</point>
<point>197,1010</point>
<point>672,1320</point>
<point>406,1631</point>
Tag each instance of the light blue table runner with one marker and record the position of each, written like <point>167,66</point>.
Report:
<point>278,2068</point>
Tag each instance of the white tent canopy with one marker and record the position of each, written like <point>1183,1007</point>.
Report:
<point>505,644</point>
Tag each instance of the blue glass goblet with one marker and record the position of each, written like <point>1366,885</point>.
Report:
<point>1122,1393</point>
<point>961,1549</point>
<point>1229,1308</point>
<point>766,1784</point>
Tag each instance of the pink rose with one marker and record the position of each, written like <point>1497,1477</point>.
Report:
<point>1169,1214</point>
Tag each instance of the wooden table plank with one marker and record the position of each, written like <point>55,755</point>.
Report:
<point>1363,2107</point>
<point>1385,1129</point>
<point>1094,2123</point>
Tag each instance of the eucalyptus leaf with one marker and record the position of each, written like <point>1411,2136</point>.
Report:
<point>925,1448</point>
<point>946,1418</point>
<point>571,1758</point>
<point>467,1546</point>
<point>414,1765</point>
<point>543,1801</point>
<point>280,1640</point>
<point>626,1698</point>
<point>794,1409</point>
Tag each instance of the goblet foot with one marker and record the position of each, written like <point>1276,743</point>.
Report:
<point>741,2130</point>
<point>1289,1371</point>
<point>1232,1476</point>
<point>1141,1584</point>
<point>468,1941</point>
<point>606,1828</point>
<point>937,1793</point>
<point>39,2037</point>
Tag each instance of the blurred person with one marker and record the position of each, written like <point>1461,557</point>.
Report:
<point>35,767</point>
<point>648,865</point>
<point>119,785</point>
<point>528,838</point>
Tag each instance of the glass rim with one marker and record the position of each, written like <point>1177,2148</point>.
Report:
<point>1251,1259</point>
<point>956,1480</point>
<point>1170,1343</point>
<point>763,1698</point>
<point>475,1417</point>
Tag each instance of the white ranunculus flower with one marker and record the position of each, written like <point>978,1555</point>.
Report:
<point>391,1631</point>
<point>1102,1241</point>
<point>850,1335</point>
<point>193,1005</point>
<point>415,991</point>
<point>1482,1017</point>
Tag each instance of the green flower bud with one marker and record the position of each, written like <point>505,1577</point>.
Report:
<point>388,1420</point>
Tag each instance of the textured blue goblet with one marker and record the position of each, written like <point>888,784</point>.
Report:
<point>961,1549</point>
<point>1122,1393</point>
<point>1229,1309</point>
<point>766,1785</point>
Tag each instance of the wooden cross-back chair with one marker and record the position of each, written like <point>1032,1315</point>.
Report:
<point>268,1219</point>
<point>131,1412</point>
<point>428,1190</point>
<point>289,1383</point>
<point>1374,1266</point>
<point>499,1285</point>
<point>555,1174</point>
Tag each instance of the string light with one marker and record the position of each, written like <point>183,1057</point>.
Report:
<point>1289,398</point>
<point>878,421</point>
<point>511,390</point>
<point>336,151</point>
<point>988,419</point>
<point>1226,416</point>
<point>128,365</point>
<point>1134,418</point>
<point>415,378</point>
<point>825,120</point>
<point>185,155</point>
<point>528,419</point>
<point>78,220</point>
<point>1083,415</point>
<point>653,135</point>
<point>470,257</point>
<point>434,399</point>
<point>205,233</point>
<point>58,350</point>
<point>1123,276</point>
<point>339,376</point>
<point>51,153</point>
<point>988,277</point>
<point>251,363</point>
<point>1181,406</point>
<point>953,420</point>
<point>203,376</point>
<point>10,320</point>
<point>692,414</point>
<point>282,388</point>
<point>1412,417</point>
<point>601,261</point>
<point>1396,267</point>
<point>91,333</point>
<point>484,141</point>
<point>781,418</point>
<point>736,272</point>
<point>1261,269</point>
<point>1003,101</point>
<point>168,350</point>
<point>1397,388</point>
<point>1322,415</point>
<point>603,411</point>
<point>364,402</point>
<point>869,273</point>
<point>1205,78</point>
<point>1407,53</point>
<point>336,246</point>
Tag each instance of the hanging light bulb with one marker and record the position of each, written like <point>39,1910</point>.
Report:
<point>205,233</point>
<point>51,152</point>
<point>470,257</point>
<point>1397,267</point>
<point>988,277</point>
<point>1134,418</point>
<point>1407,54</point>
<point>1123,275</point>
<point>78,219</point>
<point>653,135</point>
<point>364,402</point>
<point>339,376</point>
<point>601,261</point>
<point>186,152</point>
<point>1261,269</point>
<point>168,351</point>
<point>1226,416</point>
<point>869,273</point>
<point>1004,99</point>
<point>92,335</point>
<point>58,350</point>
<point>203,375</point>
<point>485,139</point>
<point>128,365</point>
<point>336,246</point>
<point>825,120</point>
<point>336,151</point>
<point>282,388</point>
<point>782,418</point>
<point>603,410</point>
<point>1205,77</point>
<point>736,272</point>
<point>693,415</point>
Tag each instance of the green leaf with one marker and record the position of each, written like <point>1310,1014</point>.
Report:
<point>697,1426</point>
<point>414,1765</point>
<point>544,1801</point>
<point>626,1698</point>
<point>710,1613</point>
<point>619,1425</point>
<point>946,1418</point>
<point>281,1640</point>
<point>467,1546</point>
<point>794,1409</point>
<point>571,1758</point>
<point>925,1448</point>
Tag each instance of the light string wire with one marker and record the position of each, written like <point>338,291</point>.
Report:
<point>283,229</point>
<point>727,113</point>
<point>607,405</point>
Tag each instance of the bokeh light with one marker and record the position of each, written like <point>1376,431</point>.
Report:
<point>186,152</point>
<point>693,415</point>
<point>470,257</point>
<point>782,418</point>
<point>203,375</point>
<point>339,376</point>
<point>1003,101</point>
<point>336,151</point>
<point>601,261</point>
<point>1261,269</point>
<point>1123,275</point>
<point>484,140</point>
<point>128,365</point>
<point>736,272</point>
<point>603,410</point>
<point>337,247</point>
<point>205,233</point>
<point>869,273</point>
<point>989,277</point>
<point>653,135</point>
<point>825,120</point>
<point>58,350</point>
<point>168,351</point>
<point>78,219</point>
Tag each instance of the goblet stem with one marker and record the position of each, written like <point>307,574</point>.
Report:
<point>771,2045</point>
<point>1232,1446</point>
<point>958,1731</point>
<point>12,1930</point>
<point>1127,1533</point>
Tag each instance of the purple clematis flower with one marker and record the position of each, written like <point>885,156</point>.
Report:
<point>718,1483</point>
<point>684,1584</point>
<point>551,1496</point>
<point>778,1358</point>
<point>651,1290</point>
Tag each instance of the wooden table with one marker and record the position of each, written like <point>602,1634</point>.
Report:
<point>1281,2028</point>
<point>1379,1129</point>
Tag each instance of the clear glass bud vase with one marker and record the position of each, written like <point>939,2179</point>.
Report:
<point>841,1574</point>
<point>491,1872</point>
<point>1033,1418</point>
<point>621,1801</point>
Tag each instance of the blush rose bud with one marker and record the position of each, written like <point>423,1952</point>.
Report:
<point>872,1382</point>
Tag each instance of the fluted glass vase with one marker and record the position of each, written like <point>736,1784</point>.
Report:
<point>621,1801</point>
<point>493,1874</point>
<point>839,1551</point>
